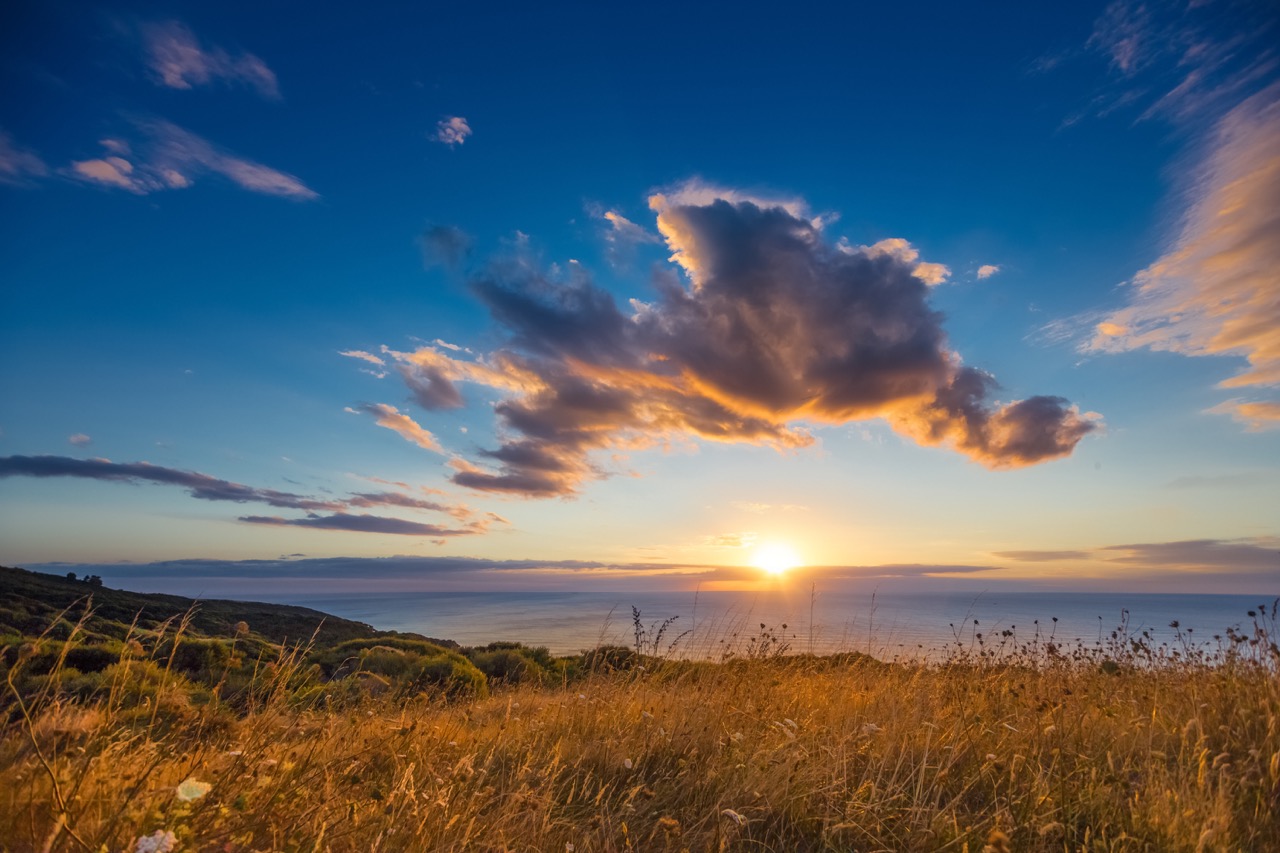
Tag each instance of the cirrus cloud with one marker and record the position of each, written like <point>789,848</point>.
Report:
<point>1214,291</point>
<point>179,61</point>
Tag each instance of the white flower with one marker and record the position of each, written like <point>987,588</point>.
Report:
<point>568,847</point>
<point>160,841</point>
<point>193,789</point>
<point>626,762</point>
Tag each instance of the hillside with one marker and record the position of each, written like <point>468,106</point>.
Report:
<point>29,602</point>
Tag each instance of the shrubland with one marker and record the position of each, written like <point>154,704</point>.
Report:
<point>169,733</point>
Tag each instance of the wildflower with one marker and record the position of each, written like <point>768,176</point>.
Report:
<point>160,841</point>
<point>733,816</point>
<point>242,627</point>
<point>626,762</point>
<point>568,847</point>
<point>193,789</point>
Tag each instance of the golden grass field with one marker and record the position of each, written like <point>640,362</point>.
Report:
<point>1033,748</point>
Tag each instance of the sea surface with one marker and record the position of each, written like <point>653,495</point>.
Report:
<point>707,624</point>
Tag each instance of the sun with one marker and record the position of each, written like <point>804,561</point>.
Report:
<point>775,558</point>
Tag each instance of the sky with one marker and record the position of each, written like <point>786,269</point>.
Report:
<point>529,297</point>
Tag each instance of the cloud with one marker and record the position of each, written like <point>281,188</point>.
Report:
<point>363,356</point>
<point>172,158</point>
<point>896,247</point>
<point>1214,291</point>
<point>180,62</point>
<point>452,130</point>
<point>394,420</point>
<point>1041,556</point>
<point>79,439</point>
<point>988,270</point>
<point>366,524</point>
<point>200,486</point>
<point>1182,62</point>
<point>776,329</point>
<point>1259,555</point>
<point>445,245</point>
<point>18,165</point>
<point>204,487</point>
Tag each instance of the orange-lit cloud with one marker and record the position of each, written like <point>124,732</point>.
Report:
<point>1215,291</point>
<point>393,419</point>
<point>988,270</point>
<point>776,329</point>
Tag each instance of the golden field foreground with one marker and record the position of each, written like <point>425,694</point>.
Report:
<point>1035,747</point>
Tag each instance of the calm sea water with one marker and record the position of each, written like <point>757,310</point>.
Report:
<point>888,625</point>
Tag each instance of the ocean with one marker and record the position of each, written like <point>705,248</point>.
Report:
<point>706,624</point>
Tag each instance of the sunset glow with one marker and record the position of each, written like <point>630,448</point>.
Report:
<point>417,300</point>
<point>776,558</point>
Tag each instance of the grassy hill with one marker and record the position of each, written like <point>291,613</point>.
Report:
<point>29,601</point>
<point>213,736</point>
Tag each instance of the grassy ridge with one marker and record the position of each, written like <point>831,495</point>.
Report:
<point>366,743</point>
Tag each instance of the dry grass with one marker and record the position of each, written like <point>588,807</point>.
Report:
<point>1110,751</point>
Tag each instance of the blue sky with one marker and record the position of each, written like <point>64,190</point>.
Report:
<point>938,294</point>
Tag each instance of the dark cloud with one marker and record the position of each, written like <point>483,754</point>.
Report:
<point>445,245</point>
<point>1261,555</point>
<point>367,524</point>
<point>1041,556</point>
<point>775,329</point>
<point>200,486</point>
<point>204,487</point>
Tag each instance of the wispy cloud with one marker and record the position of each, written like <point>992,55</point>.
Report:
<point>1214,291</point>
<point>205,487</point>
<point>621,235</point>
<point>400,423</point>
<point>179,61</point>
<point>445,245</point>
<point>776,328</point>
<point>988,270</point>
<point>79,439</point>
<point>1041,556</point>
<point>367,524</point>
<point>1180,61</point>
<point>200,486</point>
<point>171,158</point>
<point>18,165</point>
<point>452,131</point>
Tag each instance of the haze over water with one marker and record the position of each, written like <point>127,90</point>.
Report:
<point>894,623</point>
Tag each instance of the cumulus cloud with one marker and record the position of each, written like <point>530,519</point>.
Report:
<point>398,422</point>
<point>79,439</point>
<point>18,165</point>
<point>452,130</point>
<point>1214,291</point>
<point>171,158</point>
<point>988,270</point>
<point>773,329</point>
<point>205,487</point>
<point>179,61</point>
